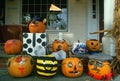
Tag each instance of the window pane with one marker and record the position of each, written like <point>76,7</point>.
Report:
<point>56,20</point>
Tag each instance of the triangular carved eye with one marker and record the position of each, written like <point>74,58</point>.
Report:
<point>99,63</point>
<point>91,62</point>
<point>70,64</point>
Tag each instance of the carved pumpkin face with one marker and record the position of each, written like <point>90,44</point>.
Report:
<point>13,46</point>
<point>72,67</point>
<point>93,45</point>
<point>58,45</point>
<point>20,65</point>
<point>46,66</point>
<point>37,27</point>
<point>99,69</point>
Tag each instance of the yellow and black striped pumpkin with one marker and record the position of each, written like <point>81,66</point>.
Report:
<point>46,66</point>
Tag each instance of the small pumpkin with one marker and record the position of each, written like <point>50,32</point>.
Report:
<point>13,46</point>
<point>20,65</point>
<point>72,67</point>
<point>37,27</point>
<point>46,66</point>
<point>60,45</point>
<point>93,45</point>
<point>99,70</point>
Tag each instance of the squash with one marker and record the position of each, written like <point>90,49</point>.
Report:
<point>99,70</point>
<point>72,67</point>
<point>59,45</point>
<point>46,66</point>
<point>13,46</point>
<point>37,27</point>
<point>20,65</point>
<point>93,45</point>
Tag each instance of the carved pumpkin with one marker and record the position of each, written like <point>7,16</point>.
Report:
<point>60,45</point>
<point>99,70</point>
<point>93,45</point>
<point>20,65</point>
<point>72,67</point>
<point>13,46</point>
<point>37,27</point>
<point>46,66</point>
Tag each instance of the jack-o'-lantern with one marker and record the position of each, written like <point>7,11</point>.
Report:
<point>20,65</point>
<point>99,70</point>
<point>93,45</point>
<point>46,66</point>
<point>37,26</point>
<point>60,45</point>
<point>13,46</point>
<point>72,67</point>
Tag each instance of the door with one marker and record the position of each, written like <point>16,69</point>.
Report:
<point>93,18</point>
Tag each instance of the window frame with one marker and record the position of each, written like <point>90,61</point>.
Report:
<point>64,20</point>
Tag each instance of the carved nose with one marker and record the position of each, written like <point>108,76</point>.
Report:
<point>75,68</point>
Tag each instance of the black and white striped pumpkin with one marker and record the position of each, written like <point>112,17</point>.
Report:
<point>46,66</point>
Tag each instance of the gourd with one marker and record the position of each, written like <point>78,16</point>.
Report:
<point>72,67</point>
<point>37,27</point>
<point>13,46</point>
<point>20,65</point>
<point>60,45</point>
<point>93,45</point>
<point>99,70</point>
<point>46,66</point>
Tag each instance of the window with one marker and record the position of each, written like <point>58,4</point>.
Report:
<point>55,20</point>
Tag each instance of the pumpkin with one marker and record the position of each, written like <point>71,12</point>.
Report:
<point>60,45</point>
<point>72,67</point>
<point>93,45</point>
<point>37,27</point>
<point>20,65</point>
<point>99,70</point>
<point>13,46</point>
<point>46,66</point>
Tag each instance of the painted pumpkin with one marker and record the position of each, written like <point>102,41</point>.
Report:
<point>72,67</point>
<point>99,70</point>
<point>20,65</point>
<point>60,45</point>
<point>37,27</point>
<point>46,66</point>
<point>93,45</point>
<point>13,46</point>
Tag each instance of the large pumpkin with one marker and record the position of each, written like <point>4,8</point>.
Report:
<point>13,46</point>
<point>72,67</point>
<point>46,65</point>
<point>60,45</point>
<point>93,45</point>
<point>99,70</point>
<point>20,65</point>
<point>37,27</point>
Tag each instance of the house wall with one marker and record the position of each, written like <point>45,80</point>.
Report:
<point>77,20</point>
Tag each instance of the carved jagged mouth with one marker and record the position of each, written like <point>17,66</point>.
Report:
<point>74,72</point>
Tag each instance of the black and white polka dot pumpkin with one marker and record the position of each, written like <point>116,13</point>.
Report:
<point>34,43</point>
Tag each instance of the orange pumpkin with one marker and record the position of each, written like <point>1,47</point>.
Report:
<point>72,67</point>
<point>20,65</point>
<point>93,45</point>
<point>13,46</point>
<point>37,27</point>
<point>99,70</point>
<point>60,45</point>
